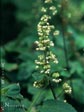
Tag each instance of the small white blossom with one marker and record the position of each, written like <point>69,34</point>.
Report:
<point>41,71</point>
<point>46,66</point>
<point>43,9</point>
<point>47,71</point>
<point>36,42</point>
<point>37,67</point>
<point>51,43</point>
<point>55,61</point>
<point>67,88</point>
<point>37,49</point>
<point>47,62</point>
<point>52,8</point>
<point>65,101</point>
<point>54,12</point>
<point>55,75</point>
<point>37,84</point>
<point>56,32</point>
<point>48,1</point>
<point>45,18</point>
<point>56,80</point>
<point>37,62</point>
<point>42,48</point>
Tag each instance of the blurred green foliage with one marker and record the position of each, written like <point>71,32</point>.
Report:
<point>19,21</point>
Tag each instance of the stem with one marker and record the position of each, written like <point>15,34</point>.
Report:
<point>63,35</point>
<point>65,49</point>
<point>52,90</point>
<point>50,85</point>
<point>34,101</point>
<point>61,93</point>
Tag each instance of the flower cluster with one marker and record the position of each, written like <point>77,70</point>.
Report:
<point>56,78</point>
<point>37,84</point>
<point>43,63</point>
<point>67,88</point>
<point>44,28</point>
<point>53,9</point>
<point>43,9</point>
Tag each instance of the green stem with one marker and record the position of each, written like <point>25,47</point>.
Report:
<point>34,101</point>
<point>52,90</point>
<point>63,34</point>
<point>50,85</point>
<point>60,94</point>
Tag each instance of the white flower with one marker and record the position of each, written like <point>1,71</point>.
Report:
<point>37,62</point>
<point>57,80</point>
<point>65,101</point>
<point>55,61</point>
<point>45,18</point>
<point>56,32</point>
<point>67,88</point>
<point>41,57</point>
<point>48,1</point>
<point>55,75</point>
<point>37,49</point>
<point>42,48</point>
<point>46,41</point>
<point>52,8</point>
<point>41,71</point>
<point>37,84</point>
<point>51,43</point>
<point>43,9</point>
<point>47,71</point>
<point>36,42</point>
<point>54,12</point>
<point>47,62</point>
<point>37,67</point>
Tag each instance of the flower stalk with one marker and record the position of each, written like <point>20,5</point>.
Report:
<point>44,45</point>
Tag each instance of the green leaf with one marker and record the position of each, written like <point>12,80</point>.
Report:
<point>25,70</point>
<point>38,76</point>
<point>78,90</point>
<point>10,66</point>
<point>11,105</point>
<point>11,100</point>
<point>56,106</point>
<point>12,91</point>
<point>80,41</point>
<point>76,67</point>
<point>65,73</point>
